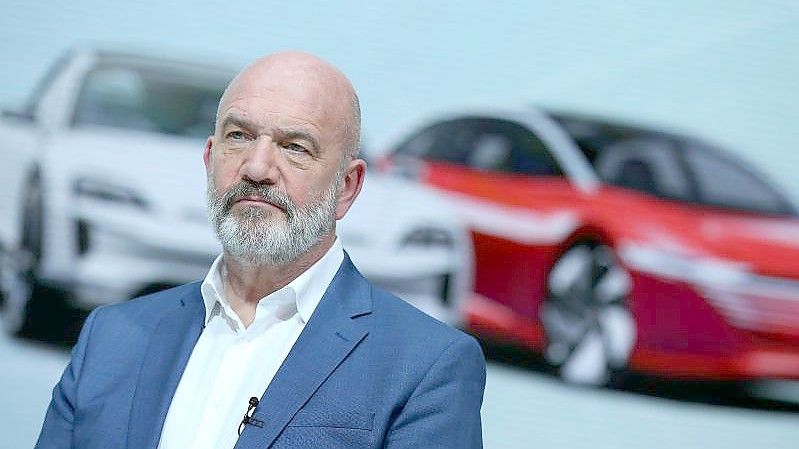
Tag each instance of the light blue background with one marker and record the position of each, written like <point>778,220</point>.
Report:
<point>727,71</point>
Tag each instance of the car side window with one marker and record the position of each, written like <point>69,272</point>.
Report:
<point>649,165</point>
<point>723,182</point>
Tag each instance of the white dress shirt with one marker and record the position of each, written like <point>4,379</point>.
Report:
<point>231,363</point>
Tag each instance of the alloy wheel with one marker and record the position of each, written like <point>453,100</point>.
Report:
<point>18,268</point>
<point>589,328</point>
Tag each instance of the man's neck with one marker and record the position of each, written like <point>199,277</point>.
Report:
<point>246,284</point>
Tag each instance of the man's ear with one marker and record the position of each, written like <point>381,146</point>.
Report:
<point>209,143</point>
<point>351,185</point>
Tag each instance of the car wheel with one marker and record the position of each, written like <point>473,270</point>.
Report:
<point>19,268</point>
<point>589,328</point>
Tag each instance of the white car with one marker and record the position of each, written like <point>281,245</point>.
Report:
<point>104,196</point>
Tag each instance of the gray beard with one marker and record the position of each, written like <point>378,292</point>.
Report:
<point>257,236</point>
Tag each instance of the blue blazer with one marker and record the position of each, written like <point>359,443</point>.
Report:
<point>368,371</point>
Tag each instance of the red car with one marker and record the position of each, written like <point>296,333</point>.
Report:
<point>610,247</point>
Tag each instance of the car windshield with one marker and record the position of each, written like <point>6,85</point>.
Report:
<point>158,99</point>
<point>673,167</point>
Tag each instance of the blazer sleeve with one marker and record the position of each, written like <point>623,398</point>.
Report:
<point>444,409</point>
<point>56,431</point>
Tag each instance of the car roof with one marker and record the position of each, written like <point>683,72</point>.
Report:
<point>160,60</point>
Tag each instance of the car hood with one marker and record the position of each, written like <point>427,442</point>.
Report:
<point>769,245</point>
<point>167,172</point>
<point>766,245</point>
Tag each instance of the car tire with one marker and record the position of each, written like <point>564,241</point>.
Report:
<point>23,310</point>
<point>590,331</point>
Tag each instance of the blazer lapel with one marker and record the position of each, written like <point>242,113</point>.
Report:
<point>335,328</point>
<point>166,357</point>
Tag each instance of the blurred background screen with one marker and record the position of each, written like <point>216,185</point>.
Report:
<point>604,193</point>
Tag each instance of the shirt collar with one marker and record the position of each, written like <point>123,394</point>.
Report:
<point>308,287</point>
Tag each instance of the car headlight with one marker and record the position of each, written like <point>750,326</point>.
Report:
<point>429,236</point>
<point>693,268</point>
<point>102,190</point>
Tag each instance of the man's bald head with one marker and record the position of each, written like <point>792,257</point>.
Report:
<point>308,79</point>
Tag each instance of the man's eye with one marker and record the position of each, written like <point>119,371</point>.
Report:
<point>294,147</point>
<point>235,135</point>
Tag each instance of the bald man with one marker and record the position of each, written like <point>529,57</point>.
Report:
<point>283,344</point>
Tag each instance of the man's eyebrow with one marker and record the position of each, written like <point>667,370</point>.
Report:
<point>237,120</point>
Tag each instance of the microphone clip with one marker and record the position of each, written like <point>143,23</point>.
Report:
<point>248,418</point>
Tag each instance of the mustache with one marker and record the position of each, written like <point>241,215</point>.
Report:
<point>264,192</point>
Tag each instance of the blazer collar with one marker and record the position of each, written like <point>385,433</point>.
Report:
<point>338,324</point>
<point>167,354</point>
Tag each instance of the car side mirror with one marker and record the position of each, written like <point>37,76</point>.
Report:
<point>16,114</point>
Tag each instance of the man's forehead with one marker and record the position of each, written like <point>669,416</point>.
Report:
<point>268,119</point>
<point>274,94</point>
<point>277,109</point>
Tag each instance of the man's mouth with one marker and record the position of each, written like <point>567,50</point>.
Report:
<point>257,201</point>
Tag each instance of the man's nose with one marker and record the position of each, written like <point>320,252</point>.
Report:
<point>260,165</point>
